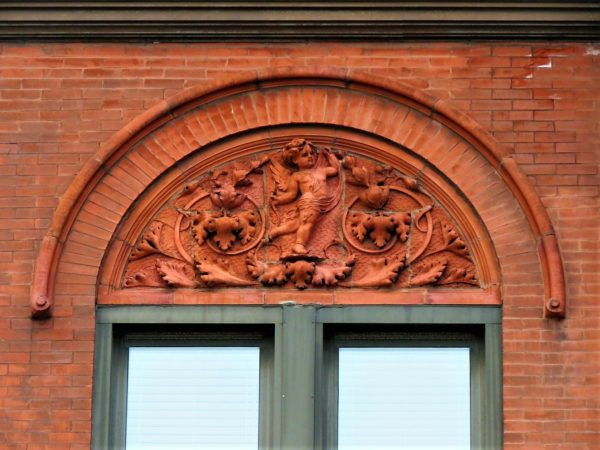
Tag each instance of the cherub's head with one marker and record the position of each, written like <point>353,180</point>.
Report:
<point>300,153</point>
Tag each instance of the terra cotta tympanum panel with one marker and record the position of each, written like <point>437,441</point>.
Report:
<point>301,216</point>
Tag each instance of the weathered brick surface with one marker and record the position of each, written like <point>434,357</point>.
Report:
<point>60,103</point>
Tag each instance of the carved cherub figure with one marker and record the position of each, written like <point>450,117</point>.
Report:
<point>301,174</point>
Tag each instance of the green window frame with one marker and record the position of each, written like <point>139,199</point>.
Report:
<point>186,335</point>
<point>298,367</point>
<point>397,336</point>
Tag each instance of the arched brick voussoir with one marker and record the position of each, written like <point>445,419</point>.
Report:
<point>153,135</point>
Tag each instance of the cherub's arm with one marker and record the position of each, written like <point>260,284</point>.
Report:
<point>332,169</point>
<point>289,195</point>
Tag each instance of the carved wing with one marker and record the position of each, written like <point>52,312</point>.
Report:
<point>281,173</point>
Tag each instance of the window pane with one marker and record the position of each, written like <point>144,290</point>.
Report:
<point>404,398</point>
<point>193,397</point>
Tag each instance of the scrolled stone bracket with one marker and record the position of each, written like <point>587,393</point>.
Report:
<point>41,293</point>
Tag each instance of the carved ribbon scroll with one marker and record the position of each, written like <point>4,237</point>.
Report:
<point>297,218</point>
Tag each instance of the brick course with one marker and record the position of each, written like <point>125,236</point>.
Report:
<point>60,103</point>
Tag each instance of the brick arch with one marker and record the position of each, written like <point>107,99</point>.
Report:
<point>453,145</point>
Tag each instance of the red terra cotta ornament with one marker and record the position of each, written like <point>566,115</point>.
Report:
<point>301,217</point>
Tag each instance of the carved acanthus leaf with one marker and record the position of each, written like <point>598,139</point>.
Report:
<point>275,275</point>
<point>365,175</point>
<point>224,228</point>
<point>270,275</point>
<point>190,188</point>
<point>201,226</point>
<point>378,227</point>
<point>381,229</point>
<point>213,273</point>
<point>383,272</point>
<point>360,224</point>
<point>329,275</point>
<point>300,273</point>
<point>240,176</point>
<point>222,186</point>
<point>402,221</point>
<point>227,197</point>
<point>458,275</point>
<point>375,196</point>
<point>141,279</point>
<point>453,242</point>
<point>409,182</point>
<point>430,275</point>
<point>176,274</point>
<point>373,178</point>
<point>359,175</point>
<point>150,243</point>
<point>255,266</point>
<point>246,225</point>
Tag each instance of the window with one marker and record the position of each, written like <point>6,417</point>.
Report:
<point>298,377</point>
<point>180,396</point>
<point>179,386</point>
<point>402,386</point>
<point>390,397</point>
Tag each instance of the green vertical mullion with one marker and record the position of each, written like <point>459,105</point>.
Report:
<point>118,394</point>
<point>477,381</point>
<point>102,378</point>
<point>320,391</point>
<point>274,434</point>
<point>298,378</point>
<point>492,398</point>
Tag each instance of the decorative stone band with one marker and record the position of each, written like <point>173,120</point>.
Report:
<point>361,84</point>
<point>197,20</point>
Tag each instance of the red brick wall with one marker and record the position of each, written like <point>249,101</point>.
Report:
<point>59,103</point>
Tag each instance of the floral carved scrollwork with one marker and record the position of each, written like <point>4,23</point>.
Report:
<point>301,217</point>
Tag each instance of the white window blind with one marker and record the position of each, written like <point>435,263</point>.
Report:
<point>404,398</point>
<point>193,398</point>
